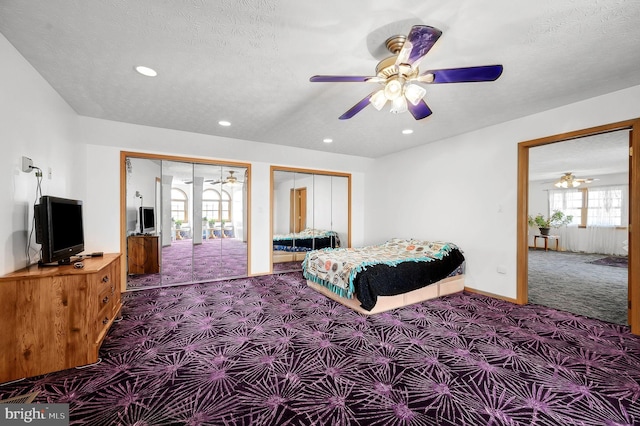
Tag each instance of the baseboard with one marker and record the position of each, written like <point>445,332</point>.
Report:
<point>493,296</point>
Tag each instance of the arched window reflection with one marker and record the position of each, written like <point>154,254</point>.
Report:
<point>179,205</point>
<point>216,206</point>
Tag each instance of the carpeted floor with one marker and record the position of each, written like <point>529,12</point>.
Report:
<point>287,267</point>
<point>270,351</point>
<point>184,262</point>
<point>575,283</point>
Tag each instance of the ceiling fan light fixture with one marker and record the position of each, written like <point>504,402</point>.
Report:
<point>426,78</point>
<point>393,89</point>
<point>378,99</point>
<point>414,93</point>
<point>399,105</point>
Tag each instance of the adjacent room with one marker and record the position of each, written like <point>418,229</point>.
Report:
<point>280,212</point>
<point>581,265</point>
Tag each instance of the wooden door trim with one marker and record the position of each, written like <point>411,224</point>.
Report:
<point>634,210</point>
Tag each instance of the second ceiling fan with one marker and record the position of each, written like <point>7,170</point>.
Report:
<point>231,179</point>
<point>568,180</point>
<point>400,77</point>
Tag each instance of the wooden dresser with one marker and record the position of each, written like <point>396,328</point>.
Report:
<point>54,318</point>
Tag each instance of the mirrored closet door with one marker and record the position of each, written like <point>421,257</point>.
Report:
<point>185,220</point>
<point>310,210</point>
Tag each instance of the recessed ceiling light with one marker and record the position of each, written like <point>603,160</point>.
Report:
<point>224,123</point>
<point>327,140</point>
<point>407,131</point>
<point>149,72</point>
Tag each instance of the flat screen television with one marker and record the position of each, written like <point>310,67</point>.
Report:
<point>147,220</point>
<point>59,229</point>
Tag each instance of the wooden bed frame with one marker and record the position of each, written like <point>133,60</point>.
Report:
<point>280,256</point>
<point>443,287</point>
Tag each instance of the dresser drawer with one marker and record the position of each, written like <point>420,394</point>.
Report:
<point>106,300</point>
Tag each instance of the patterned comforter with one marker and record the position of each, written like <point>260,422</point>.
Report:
<point>395,267</point>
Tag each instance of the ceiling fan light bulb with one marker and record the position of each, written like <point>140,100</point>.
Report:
<point>378,99</point>
<point>414,93</point>
<point>575,183</point>
<point>399,105</point>
<point>393,89</point>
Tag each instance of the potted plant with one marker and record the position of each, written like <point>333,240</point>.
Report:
<point>556,220</point>
<point>178,223</point>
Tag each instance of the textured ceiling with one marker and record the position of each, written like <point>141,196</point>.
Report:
<point>249,62</point>
<point>585,157</point>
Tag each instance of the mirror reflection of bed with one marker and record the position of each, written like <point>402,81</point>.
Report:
<point>310,210</point>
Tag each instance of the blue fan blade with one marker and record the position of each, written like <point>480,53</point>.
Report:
<point>466,75</point>
<point>356,108</point>
<point>338,79</point>
<point>419,111</point>
<point>421,39</point>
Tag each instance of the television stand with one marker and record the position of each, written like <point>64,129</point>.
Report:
<point>56,318</point>
<point>143,254</point>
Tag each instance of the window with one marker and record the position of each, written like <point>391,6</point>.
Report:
<point>605,206</point>
<point>568,202</point>
<point>216,206</point>
<point>179,205</point>
<point>600,206</point>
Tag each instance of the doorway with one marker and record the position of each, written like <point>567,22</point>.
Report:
<point>581,267</point>
<point>298,210</point>
<point>633,126</point>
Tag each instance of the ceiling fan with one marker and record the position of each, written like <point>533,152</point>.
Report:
<point>231,179</point>
<point>399,75</point>
<point>568,180</point>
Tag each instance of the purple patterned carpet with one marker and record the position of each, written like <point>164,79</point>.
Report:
<point>183,262</point>
<point>270,351</point>
<point>287,267</point>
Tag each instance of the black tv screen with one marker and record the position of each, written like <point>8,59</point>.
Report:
<point>59,229</point>
<point>147,220</point>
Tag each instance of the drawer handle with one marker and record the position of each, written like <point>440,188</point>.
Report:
<point>105,320</point>
<point>105,279</point>
<point>105,300</point>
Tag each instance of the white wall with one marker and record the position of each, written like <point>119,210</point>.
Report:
<point>463,189</point>
<point>38,124</point>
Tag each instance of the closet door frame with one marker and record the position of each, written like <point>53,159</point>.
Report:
<point>307,172</point>
<point>163,157</point>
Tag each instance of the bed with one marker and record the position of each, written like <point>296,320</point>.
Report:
<point>378,278</point>
<point>294,246</point>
